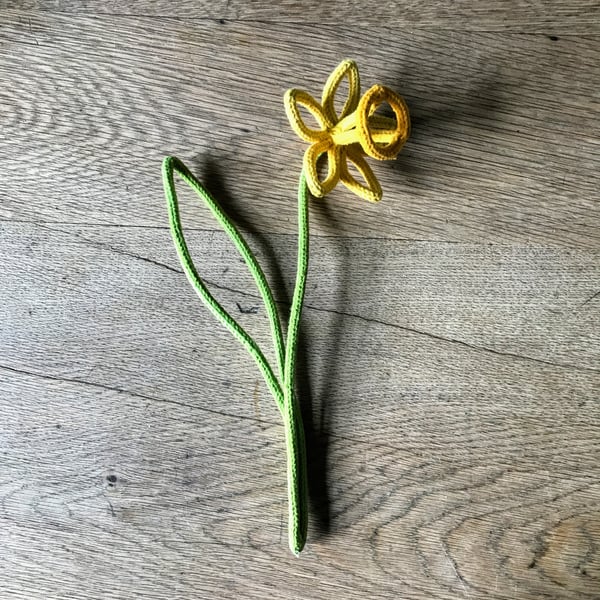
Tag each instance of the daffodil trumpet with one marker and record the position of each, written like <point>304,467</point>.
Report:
<point>345,139</point>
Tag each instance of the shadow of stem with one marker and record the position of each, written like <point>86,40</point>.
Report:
<point>319,403</point>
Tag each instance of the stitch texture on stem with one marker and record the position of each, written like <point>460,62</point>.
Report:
<point>344,139</point>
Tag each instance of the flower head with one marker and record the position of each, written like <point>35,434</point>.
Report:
<point>347,137</point>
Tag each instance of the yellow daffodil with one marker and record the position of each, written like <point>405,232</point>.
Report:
<point>347,137</point>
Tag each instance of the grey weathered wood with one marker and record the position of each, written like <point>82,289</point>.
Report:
<point>575,16</point>
<point>505,127</point>
<point>450,370</point>
<point>457,386</point>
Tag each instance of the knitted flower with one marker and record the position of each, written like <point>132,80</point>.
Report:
<point>347,137</point>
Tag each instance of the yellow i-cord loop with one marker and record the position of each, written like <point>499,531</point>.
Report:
<point>345,139</point>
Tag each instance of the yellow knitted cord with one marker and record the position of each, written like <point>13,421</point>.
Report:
<point>347,137</point>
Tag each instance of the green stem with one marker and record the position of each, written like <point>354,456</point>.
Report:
<point>294,429</point>
<point>282,390</point>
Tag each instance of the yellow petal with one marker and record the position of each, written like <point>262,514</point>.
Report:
<point>347,68</point>
<point>375,135</point>
<point>317,187</point>
<point>291,100</point>
<point>369,190</point>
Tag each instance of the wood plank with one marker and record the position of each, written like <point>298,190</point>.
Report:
<point>504,146</point>
<point>521,305</point>
<point>575,16</point>
<point>143,457</point>
<point>147,500</point>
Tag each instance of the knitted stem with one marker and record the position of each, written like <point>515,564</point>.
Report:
<point>294,429</point>
<point>283,390</point>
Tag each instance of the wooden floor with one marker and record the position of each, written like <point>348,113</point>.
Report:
<point>450,359</point>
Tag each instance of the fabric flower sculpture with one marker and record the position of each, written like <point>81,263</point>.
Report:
<point>344,139</point>
<point>347,137</point>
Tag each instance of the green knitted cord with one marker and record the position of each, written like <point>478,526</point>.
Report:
<point>283,387</point>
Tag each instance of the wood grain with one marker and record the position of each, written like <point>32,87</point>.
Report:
<point>450,354</point>
<point>505,128</point>
<point>550,16</point>
<point>458,429</point>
